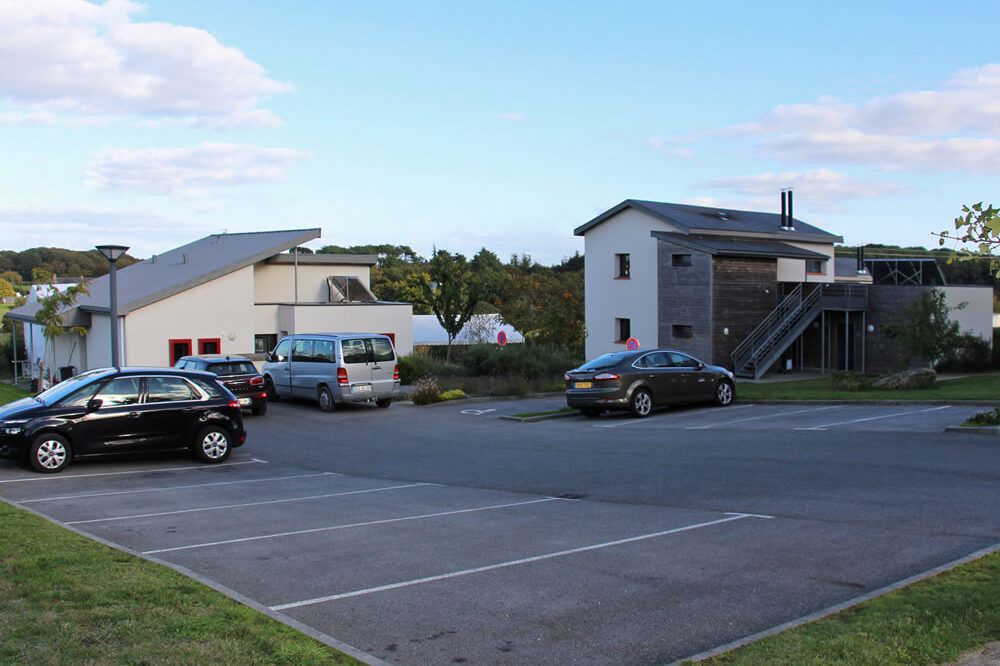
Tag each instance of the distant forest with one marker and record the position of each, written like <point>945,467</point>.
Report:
<point>55,261</point>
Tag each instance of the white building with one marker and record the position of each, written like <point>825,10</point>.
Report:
<point>226,293</point>
<point>480,328</point>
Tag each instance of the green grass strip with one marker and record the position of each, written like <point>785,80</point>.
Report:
<point>10,393</point>
<point>564,410</point>
<point>931,622</point>
<point>986,387</point>
<point>65,599</point>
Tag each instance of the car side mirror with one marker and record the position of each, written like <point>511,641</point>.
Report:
<point>94,404</point>
<point>701,365</point>
<point>269,357</point>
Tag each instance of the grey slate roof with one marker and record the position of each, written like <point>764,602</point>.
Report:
<point>692,219</point>
<point>737,247</point>
<point>182,268</point>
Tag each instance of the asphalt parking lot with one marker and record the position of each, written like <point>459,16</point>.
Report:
<point>446,535</point>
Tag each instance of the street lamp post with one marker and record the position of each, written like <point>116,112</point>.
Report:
<point>113,253</point>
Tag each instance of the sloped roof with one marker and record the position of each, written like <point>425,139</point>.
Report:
<point>182,268</point>
<point>693,219</point>
<point>737,247</point>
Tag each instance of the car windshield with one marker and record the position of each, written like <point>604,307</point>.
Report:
<point>606,361</point>
<point>63,389</point>
<point>233,368</point>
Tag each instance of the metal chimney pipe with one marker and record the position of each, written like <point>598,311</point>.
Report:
<point>790,221</point>
<point>861,264</point>
<point>783,209</point>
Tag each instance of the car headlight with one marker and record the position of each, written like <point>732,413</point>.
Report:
<point>12,427</point>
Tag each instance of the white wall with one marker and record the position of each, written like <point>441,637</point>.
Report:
<point>608,298</point>
<point>275,283</point>
<point>215,309</point>
<point>99,342</point>
<point>345,317</point>
<point>794,270</point>
<point>977,316</point>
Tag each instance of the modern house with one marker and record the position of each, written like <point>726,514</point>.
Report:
<point>226,293</point>
<point>748,290</point>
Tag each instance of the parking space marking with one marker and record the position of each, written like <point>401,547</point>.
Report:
<point>765,416</point>
<point>673,416</point>
<point>511,563</point>
<point>60,477</point>
<point>875,418</point>
<point>195,485</point>
<point>329,528</point>
<point>238,506</point>
<point>477,412</point>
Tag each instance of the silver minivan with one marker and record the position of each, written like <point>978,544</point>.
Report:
<point>334,368</point>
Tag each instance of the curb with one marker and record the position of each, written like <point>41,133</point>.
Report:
<point>989,431</point>
<point>492,398</point>
<point>540,417</point>
<point>795,401</point>
<point>837,608</point>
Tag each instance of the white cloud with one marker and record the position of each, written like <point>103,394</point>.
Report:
<point>823,189</point>
<point>512,117</point>
<point>191,169</point>
<point>79,58</point>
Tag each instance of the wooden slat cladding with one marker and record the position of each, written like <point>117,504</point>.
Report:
<point>744,291</point>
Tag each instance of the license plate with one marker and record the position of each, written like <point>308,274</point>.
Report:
<point>361,388</point>
<point>245,401</point>
<point>583,385</point>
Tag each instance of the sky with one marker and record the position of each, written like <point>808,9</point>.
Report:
<point>460,125</point>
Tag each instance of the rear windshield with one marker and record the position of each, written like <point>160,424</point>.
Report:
<point>233,368</point>
<point>606,361</point>
<point>210,386</point>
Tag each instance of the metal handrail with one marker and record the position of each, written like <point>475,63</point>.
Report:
<point>788,324</point>
<point>765,327</point>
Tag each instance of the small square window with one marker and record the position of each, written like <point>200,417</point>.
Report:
<point>264,343</point>
<point>623,266</point>
<point>680,260</point>
<point>683,331</point>
<point>623,328</point>
<point>815,265</point>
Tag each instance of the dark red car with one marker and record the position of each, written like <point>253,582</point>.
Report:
<point>237,373</point>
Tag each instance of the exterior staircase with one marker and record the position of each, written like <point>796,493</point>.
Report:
<point>785,323</point>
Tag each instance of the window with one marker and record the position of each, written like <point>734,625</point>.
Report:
<point>680,260</point>
<point>323,351</point>
<point>391,336</point>
<point>623,328</point>
<point>683,360</point>
<point>282,351</point>
<point>815,265</point>
<point>79,397</point>
<point>168,389</point>
<point>382,350</point>
<point>120,391</point>
<point>209,345</point>
<point>262,344</point>
<point>683,331</point>
<point>355,351</point>
<point>232,368</point>
<point>623,267</point>
<point>654,360</point>
<point>302,351</point>
<point>178,348</point>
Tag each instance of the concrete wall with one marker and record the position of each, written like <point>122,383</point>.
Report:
<point>221,308</point>
<point>794,270</point>
<point>275,283</point>
<point>977,315</point>
<point>99,342</point>
<point>608,298</point>
<point>685,298</point>
<point>347,317</point>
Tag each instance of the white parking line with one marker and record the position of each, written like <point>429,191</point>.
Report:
<point>875,418</point>
<point>349,525</point>
<point>765,416</point>
<point>195,485</point>
<point>672,417</point>
<point>61,477</point>
<point>239,506</point>
<point>510,563</point>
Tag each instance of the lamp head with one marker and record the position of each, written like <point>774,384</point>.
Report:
<point>112,252</point>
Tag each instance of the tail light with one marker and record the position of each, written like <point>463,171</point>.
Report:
<point>342,376</point>
<point>257,381</point>
<point>395,372</point>
<point>606,376</point>
<point>234,403</point>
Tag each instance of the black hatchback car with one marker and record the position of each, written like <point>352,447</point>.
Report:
<point>638,381</point>
<point>237,373</point>
<point>124,410</point>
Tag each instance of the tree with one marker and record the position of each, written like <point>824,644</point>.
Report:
<point>978,227</point>
<point>12,276</point>
<point>49,316</point>
<point>7,289</point>
<point>397,275</point>
<point>41,275</point>
<point>925,328</point>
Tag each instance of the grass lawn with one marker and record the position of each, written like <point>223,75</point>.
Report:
<point>10,393</point>
<point>67,600</point>
<point>931,622</point>
<point>550,412</point>
<point>986,387</point>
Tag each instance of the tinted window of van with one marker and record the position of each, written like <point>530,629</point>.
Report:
<point>354,351</point>
<point>281,351</point>
<point>382,349</point>
<point>323,351</point>
<point>302,351</point>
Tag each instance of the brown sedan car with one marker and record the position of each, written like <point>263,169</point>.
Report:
<point>638,381</point>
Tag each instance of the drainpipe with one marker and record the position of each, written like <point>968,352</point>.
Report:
<point>295,251</point>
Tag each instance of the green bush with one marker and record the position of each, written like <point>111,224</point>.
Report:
<point>996,347</point>
<point>988,418</point>
<point>971,354</point>
<point>452,394</point>
<point>426,391</point>
<point>528,361</point>
<point>417,365</point>
<point>850,381</point>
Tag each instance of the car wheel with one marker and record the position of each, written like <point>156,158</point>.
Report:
<point>272,395</point>
<point>212,445</point>
<point>259,408</point>
<point>724,393</point>
<point>641,403</point>
<point>590,412</point>
<point>325,398</point>
<point>383,403</point>
<point>49,453</point>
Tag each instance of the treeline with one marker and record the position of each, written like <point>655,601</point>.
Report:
<point>40,264</point>
<point>544,303</point>
<point>966,270</point>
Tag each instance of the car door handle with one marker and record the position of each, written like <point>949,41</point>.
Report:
<point>134,415</point>
<point>376,367</point>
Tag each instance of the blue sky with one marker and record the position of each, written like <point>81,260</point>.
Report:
<point>505,125</point>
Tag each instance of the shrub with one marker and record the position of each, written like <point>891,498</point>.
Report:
<point>989,418</point>
<point>426,391</point>
<point>850,381</point>
<point>452,394</point>
<point>528,361</point>
<point>417,365</point>
<point>971,354</point>
<point>996,347</point>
